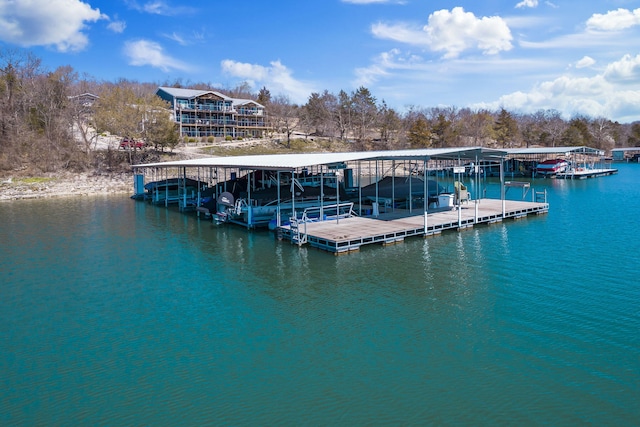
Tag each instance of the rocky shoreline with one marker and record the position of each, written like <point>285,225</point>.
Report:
<point>57,185</point>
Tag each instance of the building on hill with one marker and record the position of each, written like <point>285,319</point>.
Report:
<point>206,113</point>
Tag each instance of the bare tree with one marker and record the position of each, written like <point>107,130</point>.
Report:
<point>602,130</point>
<point>342,114</point>
<point>365,112</point>
<point>552,128</point>
<point>284,116</point>
<point>389,124</point>
<point>476,126</point>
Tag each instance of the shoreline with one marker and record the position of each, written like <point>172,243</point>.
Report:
<point>64,185</point>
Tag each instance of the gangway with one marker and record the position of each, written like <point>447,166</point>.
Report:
<point>298,224</point>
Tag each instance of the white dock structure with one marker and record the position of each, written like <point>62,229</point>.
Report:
<point>347,230</point>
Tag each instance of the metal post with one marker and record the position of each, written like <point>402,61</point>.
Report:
<point>393,184</point>
<point>337,197</point>
<point>249,208</point>
<point>502,192</point>
<point>426,195</point>
<point>166,188</point>
<point>321,193</point>
<point>457,192</point>
<point>377,196</point>
<point>359,188</point>
<point>476,190</point>
<point>278,223</point>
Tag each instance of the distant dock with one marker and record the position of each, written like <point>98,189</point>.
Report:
<point>584,173</point>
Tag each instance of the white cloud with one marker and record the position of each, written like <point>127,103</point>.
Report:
<point>614,20</point>
<point>527,3</point>
<point>615,93</point>
<point>383,64</point>
<point>117,26</point>
<point>145,52</point>
<point>277,78</point>
<point>159,7</point>
<point>452,32</point>
<point>177,38</point>
<point>402,33</point>
<point>156,7</point>
<point>58,23</point>
<point>458,30</point>
<point>627,70</point>
<point>586,61</point>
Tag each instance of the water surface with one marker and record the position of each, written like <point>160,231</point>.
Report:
<point>115,312</point>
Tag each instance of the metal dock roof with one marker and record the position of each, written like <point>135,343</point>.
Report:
<point>566,151</point>
<point>294,161</point>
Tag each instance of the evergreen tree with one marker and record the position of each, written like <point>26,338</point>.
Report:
<point>419,134</point>
<point>505,128</point>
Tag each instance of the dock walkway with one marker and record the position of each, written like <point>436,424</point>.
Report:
<point>349,234</point>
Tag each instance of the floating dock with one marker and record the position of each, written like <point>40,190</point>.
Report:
<point>344,235</point>
<point>584,173</point>
<point>243,176</point>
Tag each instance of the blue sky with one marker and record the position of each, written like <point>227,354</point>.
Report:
<point>575,56</point>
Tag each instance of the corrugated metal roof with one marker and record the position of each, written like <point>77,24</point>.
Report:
<point>294,161</point>
<point>555,150</point>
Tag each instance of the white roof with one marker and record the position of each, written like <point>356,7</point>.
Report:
<point>626,149</point>
<point>294,161</point>
<point>566,151</point>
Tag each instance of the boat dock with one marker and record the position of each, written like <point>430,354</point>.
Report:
<point>584,173</point>
<point>344,235</point>
<point>238,190</point>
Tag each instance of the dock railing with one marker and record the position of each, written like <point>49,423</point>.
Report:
<point>328,212</point>
<point>298,225</point>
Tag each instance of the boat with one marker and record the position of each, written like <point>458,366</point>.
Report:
<point>399,190</point>
<point>168,191</point>
<point>258,207</point>
<point>551,167</point>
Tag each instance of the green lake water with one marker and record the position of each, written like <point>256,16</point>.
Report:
<point>116,312</point>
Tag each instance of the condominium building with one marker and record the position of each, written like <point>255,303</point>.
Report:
<point>205,113</point>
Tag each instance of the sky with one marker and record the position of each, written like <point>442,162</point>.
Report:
<point>579,57</point>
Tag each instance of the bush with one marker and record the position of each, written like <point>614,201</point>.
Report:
<point>210,139</point>
<point>228,138</point>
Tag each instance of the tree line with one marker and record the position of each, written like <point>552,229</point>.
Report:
<point>47,125</point>
<point>358,117</point>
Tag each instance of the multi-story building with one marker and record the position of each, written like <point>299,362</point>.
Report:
<point>205,113</point>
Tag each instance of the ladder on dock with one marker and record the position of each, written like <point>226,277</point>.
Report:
<point>297,236</point>
<point>541,196</point>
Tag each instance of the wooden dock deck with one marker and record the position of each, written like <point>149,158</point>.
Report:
<point>349,234</point>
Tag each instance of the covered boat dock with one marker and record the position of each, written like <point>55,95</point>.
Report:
<point>345,223</point>
<point>581,162</point>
